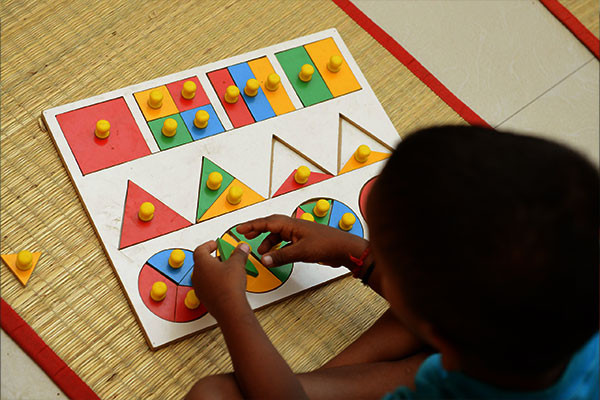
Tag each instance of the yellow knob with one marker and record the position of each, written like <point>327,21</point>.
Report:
<point>102,129</point>
<point>335,63</point>
<point>232,93</point>
<point>201,119</point>
<point>189,90</point>
<point>251,88</point>
<point>302,174</point>
<point>307,217</point>
<point>306,72</point>
<point>234,196</point>
<point>176,258</point>
<point>321,208</point>
<point>24,260</point>
<point>272,82</point>
<point>158,291</point>
<point>362,153</point>
<point>146,212</point>
<point>191,301</point>
<point>214,180</point>
<point>169,128</point>
<point>347,221</point>
<point>155,99</point>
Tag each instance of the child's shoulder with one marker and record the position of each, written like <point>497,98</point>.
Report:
<point>578,382</point>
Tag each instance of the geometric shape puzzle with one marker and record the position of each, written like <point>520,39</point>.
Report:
<point>285,161</point>
<point>11,262</point>
<point>338,209</point>
<point>279,99</point>
<point>339,83</point>
<point>238,113</point>
<point>222,206</point>
<point>311,92</point>
<point>168,106</point>
<point>254,243</point>
<point>309,208</point>
<point>160,261</point>
<point>350,137</point>
<point>133,230</point>
<point>183,104</point>
<point>182,313</point>
<point>226,249</point>
<point>206,196</point>
<point>214,124</point>
<point>124,143</point>
<point>164,308</point>
<point>181,136</point>
<point>259,105</point>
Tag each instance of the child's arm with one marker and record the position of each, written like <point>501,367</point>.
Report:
<point>221,286</point>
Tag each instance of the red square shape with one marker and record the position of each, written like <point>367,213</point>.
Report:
<point>125,142</point>
<point>183,104</point>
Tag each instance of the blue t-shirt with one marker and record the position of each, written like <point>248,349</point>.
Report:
<point>580,381</point>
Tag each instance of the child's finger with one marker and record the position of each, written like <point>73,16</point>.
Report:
<point>203,252</point>
<point>287,254</point>
<point>240,254</point>
<point>268,243</point>
<point>273,223</point>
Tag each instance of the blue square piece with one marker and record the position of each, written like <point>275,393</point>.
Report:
<point>259,105</point>
<point>160,261</point>
<point>337,210</point>
<point>214,125</point>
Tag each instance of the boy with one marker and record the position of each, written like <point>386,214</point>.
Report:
<point>484,243</point>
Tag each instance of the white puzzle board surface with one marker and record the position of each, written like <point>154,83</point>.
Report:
<point>259,142</point>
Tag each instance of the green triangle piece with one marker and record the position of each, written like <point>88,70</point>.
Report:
<point>207,197</point>
<point>308,207</point>
<point>225,250</point>
<point>254,243</point>
<point>282,272</point>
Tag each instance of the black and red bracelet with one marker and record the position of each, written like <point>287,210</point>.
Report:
<point>359,262</point>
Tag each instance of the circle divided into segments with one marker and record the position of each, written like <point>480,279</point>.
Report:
<point>333,215</point>
<point>179,283</point>
<point>259,279</point>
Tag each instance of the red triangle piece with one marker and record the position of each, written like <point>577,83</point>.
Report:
<point>299,212</point>
<point>290,183</point>
<point>134,230</point>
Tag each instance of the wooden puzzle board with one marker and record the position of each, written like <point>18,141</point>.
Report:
<point>313,130</point>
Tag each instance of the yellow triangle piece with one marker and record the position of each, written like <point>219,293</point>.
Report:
<point>11,262</point>
<point>222,206</point>
<point>352,164</point>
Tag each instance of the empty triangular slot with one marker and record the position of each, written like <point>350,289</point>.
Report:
<point>351,136</point>
<point>206,195</point>
<point>285,161</point>
<point>134,230</point>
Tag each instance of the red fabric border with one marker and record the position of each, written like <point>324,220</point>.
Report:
<point>411,63</point>
<point>574,25</point>
<point>34,346</point>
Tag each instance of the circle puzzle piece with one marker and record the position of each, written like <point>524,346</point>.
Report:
<point>330,212</point>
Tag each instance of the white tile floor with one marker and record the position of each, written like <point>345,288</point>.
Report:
<point>511,61</point>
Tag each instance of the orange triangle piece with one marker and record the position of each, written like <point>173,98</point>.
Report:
<point>374,157</point>
<point>222,206</point>
<point>134,230</point>
<point>11,262</point>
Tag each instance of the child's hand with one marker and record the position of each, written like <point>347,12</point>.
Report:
<point>220,285</point>
<point>310,241</point>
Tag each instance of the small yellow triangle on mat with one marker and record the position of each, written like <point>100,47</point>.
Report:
<point>11,262</point>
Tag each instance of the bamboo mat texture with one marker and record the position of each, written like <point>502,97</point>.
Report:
<point>56,52</point>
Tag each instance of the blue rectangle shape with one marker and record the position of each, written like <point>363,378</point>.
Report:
<point>160,261</point>
<point>258,105</point>
<point>214,125</point>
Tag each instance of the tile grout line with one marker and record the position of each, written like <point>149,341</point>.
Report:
<point>543,93</point>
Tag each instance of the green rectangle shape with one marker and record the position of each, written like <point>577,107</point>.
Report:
<point>311,92</point>
<point>182,135</point>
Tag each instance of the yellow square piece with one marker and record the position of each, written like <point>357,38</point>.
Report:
<point>279,100</point>
<point>168,105</point>
<point>11,262</point>
<point>339,83</point>
<point>222,206</point>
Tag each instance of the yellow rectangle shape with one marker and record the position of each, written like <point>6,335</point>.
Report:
<point>339,83</point>
<point>279,100</point>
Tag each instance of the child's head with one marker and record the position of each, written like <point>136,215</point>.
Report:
<point>490,241</point>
